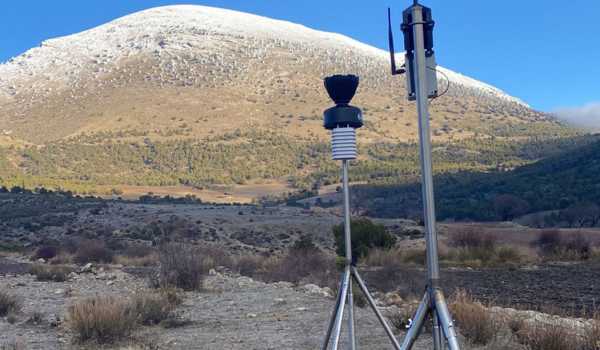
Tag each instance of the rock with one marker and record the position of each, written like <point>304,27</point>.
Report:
<point>212,272</point>
<point>41,261</point>
<point>59,291</point>
<point>251,315</point>
<point>314,289</point>
<point>392,298</point>
<point>87,268</point>
<point>283,284</point>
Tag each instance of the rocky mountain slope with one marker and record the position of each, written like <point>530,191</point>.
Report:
<point>208,76</point>
<point>198,69</point>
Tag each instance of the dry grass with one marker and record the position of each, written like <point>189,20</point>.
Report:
<point>401,320</point>
<point>182,266</point>
<point>154,308</point>
<point>297,266</point>
<point>301,266</point>
<point>548,337</point>
<point>62,258</point>
<point>141,261</point>
<point>101,319</point>
<point>9,304</point>
<point>591,335</point>
<point>474,321</point>
<point>55,273</point>
<point>394,257</point>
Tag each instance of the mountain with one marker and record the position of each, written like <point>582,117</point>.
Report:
<point>200,95</point>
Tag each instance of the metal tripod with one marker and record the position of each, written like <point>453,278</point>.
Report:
<point>345,290</point>
<point>433,302</point>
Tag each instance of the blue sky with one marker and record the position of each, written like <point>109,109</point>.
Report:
<point>546,52</point>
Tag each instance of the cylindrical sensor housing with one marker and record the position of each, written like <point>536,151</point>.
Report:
<point>343,143</point>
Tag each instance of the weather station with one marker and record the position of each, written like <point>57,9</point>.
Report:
<point>343,120</point>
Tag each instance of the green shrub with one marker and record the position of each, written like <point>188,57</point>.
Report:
<point>365,235</point>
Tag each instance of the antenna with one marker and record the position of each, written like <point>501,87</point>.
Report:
<point>391,42</point>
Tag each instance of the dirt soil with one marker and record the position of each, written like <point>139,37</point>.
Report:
<point>232,313</point>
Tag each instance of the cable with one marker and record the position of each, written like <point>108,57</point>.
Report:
<point>447,83</point>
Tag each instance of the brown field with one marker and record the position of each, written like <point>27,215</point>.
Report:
<point>217,194</point>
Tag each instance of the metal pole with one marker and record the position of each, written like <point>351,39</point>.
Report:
<point>334,314</point>
<point>340,312</point>
<point>417,323</point>
<point>348,245</point>
<point>433,270</point>
<point>425,148</point>
<point>445,320</point>
<point>347,234</point>
<point>351,336</point>
<point>373,305</point>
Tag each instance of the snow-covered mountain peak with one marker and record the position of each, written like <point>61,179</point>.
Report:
<point>168,29</point>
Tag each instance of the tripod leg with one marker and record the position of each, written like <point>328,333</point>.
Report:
<point>417,323</point>
<point>333,314</point>
<point>340,311</point>
<point>365,291</point>
<point>437,331</point>
<point>351,335</point>
<point>445,320</point>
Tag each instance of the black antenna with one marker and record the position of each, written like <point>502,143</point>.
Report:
<point>391,43</point>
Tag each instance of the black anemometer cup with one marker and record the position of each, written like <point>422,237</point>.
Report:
<point>341,89</point>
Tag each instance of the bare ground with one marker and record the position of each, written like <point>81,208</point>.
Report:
<point>232,313</point>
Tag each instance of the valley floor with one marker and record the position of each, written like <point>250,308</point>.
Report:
<point>232,313</point>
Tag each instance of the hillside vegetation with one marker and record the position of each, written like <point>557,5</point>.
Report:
<point>193,95</point>
<point>568,181</point>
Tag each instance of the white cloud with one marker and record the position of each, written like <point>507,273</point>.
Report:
<point>587,115</point>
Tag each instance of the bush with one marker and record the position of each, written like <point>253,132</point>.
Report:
<point>300,266</point>
<point>474,321</point>
<point>153,308</point>
<point>248,265</point>
<point>101,319</point>
<point>579,245</point>
<point>304,243</point>
<point>470,238</point>
<point>549,337</point>
<point>556,246</point>
<point>181,266</point>
<point>46,252</point>
<point>9,304</point>
<point>55,273</point>
<point>549,241</point>
<point>365,235</point>
<point>383,257</point>
<point>93,251</point>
